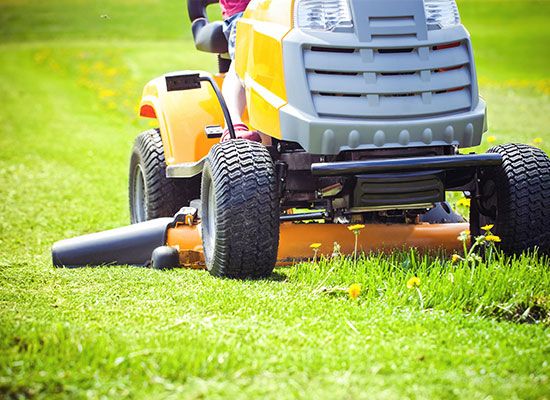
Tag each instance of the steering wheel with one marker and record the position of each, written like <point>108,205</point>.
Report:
<point>208,35</point>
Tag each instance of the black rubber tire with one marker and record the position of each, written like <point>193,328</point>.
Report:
<point>240,210</point>
<point>160,196</point>
<point>516,198</point>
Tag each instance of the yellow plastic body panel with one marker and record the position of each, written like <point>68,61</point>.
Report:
<point>259,61</point>
<point>182,117</point>
<point>295,239</point>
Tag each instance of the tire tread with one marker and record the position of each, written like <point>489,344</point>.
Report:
<point>165,196</point>
<point>247,233</point>
<point>523,182</point>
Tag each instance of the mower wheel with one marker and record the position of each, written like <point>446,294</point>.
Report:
<point>240,210</point>
<point>515,197</point>
<point>151,194</point>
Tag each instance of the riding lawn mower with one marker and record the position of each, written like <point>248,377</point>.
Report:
<point>364,106</point>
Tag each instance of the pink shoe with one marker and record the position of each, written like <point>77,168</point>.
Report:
<point>242,132</point>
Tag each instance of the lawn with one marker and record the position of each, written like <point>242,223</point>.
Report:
<point>71,73</point>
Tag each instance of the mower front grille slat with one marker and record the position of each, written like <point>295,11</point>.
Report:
<point>392,82</point>
<point>363,61</point>
<point>392,105</point>
<point>388,84</point>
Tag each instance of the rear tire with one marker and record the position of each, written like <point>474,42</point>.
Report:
<point>515,197</point>
<point>240,210</point>
<point>151,194</point>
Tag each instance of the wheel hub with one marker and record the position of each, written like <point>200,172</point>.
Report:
<point>139,198</point>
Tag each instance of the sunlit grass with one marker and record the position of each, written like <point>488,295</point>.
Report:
<point>402,325</point>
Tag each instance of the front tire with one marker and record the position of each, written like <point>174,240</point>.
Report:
<point>515,197</point>
<point>151,194</point>
<point>240,210</point>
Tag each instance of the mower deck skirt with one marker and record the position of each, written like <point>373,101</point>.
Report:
<point>295,240</point>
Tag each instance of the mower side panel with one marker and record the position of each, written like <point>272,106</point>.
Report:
<point>182,117</point>
<point>259,61</point>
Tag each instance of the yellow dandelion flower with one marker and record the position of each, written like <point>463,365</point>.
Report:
<point>105,93</point>
<point>491,139</point>
<point>54,65</point>
<point>40,57</point>
<point>110,72</point>
<point>456,258</point>
<point>413,282</point>
<point>356,227</point>
<point>493,238</point>
<point>487,228</point>
<point>464,202</point>
<point>537,140</point>
<point>354,290</point>
<point>464,235</point>
<point>314,246</point>
<point>98,65</point>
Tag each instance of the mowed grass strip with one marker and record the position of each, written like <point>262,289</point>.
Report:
<point>70,87</point>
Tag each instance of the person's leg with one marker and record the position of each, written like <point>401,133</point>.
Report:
<point>233,90</point>
<point>234,94</point>
<point>235,97</point>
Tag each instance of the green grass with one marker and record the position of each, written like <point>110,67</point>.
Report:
<point>70,80</point>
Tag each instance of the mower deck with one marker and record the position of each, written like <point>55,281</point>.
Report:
<point>295,240</point>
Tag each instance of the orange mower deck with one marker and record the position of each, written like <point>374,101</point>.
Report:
<point>295,240</point>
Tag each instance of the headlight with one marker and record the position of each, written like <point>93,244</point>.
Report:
<point>441,13</point>
<point>322,15</point>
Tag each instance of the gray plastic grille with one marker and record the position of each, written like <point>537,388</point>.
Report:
<point>388,82</point>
